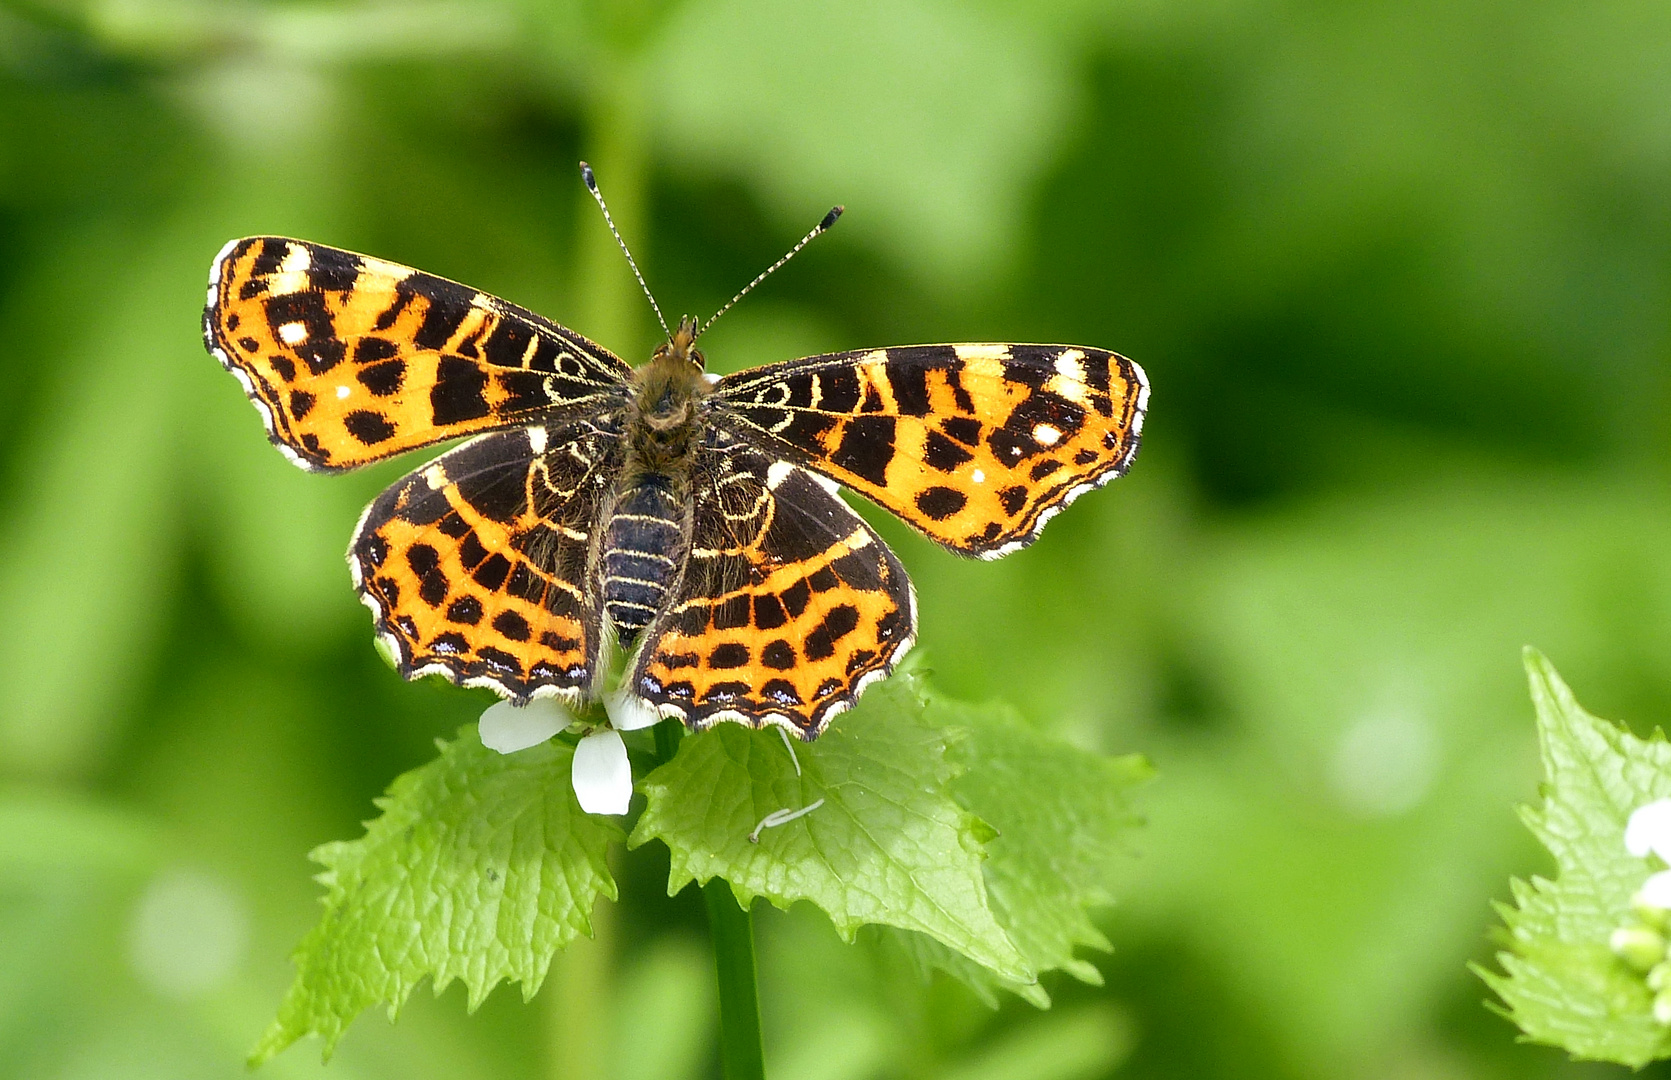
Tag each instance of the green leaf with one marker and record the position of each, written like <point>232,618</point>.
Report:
<point>1062,816</point>
<point>889,846</point>
<point>1563,985</point>
<point>481,866</point>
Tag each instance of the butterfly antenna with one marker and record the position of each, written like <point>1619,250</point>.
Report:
<point>822,227</point>
<point>592,186</point>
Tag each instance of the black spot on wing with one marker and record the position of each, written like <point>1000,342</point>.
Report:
<point>371,348</point>
<point>840,621</point>
<point>508,343</point>
<point>779,655</point>
<point>838,389</point>
<point>457,395</point>
<point>368,427</point>
<point>941,453</point>
<point>448,304</point>
<point>403,298</point>
<point>731,654</point>
<point>383,379</point>
<point>940,503</point>
<point>269,258</point>
<point>965,429</point>
<point>332,268</point>
<point>322,354</point>
<point>867,445</point>
<point>512,625</point>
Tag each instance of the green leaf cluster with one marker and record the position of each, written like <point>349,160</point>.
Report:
<point>979,843</point>
<point>1561,983</point>
<point>480,868</point>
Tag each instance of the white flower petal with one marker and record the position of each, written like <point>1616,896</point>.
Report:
<point>508,728</point>
<point>629,712</point>
<point>602,773</point>
<point>1656,891</point>
<point>1649,829</point>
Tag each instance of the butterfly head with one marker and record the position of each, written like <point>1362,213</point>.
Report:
<point>678,349</point>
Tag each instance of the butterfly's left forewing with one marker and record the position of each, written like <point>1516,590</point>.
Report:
<point>976,446</point>
<point>353,359</point>
<point>474,566</point>
<point>789,605</point>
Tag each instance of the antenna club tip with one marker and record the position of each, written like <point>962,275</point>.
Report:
<point>830,218</point>
<point>586,175</point>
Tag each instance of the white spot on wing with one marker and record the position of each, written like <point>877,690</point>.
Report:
<point>982,352</point>
<point>536,440</point>
<point>1071,365</point>
<point>777,473</point>
<point>343,392</point>
<point>825,482</point>
<point>293,333</point>
<point>1046,434</point>
<point>297,259</point>
<point>435,476</point>
<point>978,476</point>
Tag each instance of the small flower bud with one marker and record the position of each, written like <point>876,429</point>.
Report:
<point>1648,915</point>
<point>1662,1007</point>
<point>1638,946</point>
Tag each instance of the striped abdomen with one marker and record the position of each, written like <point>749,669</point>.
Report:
<point>643,547</point>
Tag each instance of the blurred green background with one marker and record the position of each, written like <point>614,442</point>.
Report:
<point>1398,270</point>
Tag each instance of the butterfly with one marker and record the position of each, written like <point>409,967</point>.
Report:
<point>691,520</point>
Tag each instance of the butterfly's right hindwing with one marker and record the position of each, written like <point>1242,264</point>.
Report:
<point>475,565</point>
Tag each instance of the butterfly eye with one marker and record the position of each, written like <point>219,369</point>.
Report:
<point>699,360</point>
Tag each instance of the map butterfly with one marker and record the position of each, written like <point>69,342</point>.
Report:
<point>694,521</point>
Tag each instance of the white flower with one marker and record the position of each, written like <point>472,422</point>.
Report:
<point>1649,829</point>
<point>602,774</point>
<point>629,712</point>
<point>508,728</point>
<point>1656,891</point>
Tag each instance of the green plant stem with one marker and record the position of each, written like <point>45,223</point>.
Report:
<point>732,929</point>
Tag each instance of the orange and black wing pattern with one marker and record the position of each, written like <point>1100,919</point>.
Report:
<point>789,605</point>
<point>976,446</point>
<point>353,359</point>
<point>475,565</point>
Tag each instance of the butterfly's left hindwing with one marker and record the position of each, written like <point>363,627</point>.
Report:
<point>353,359</point>
<point>790,604</point>
<point>474,566</point>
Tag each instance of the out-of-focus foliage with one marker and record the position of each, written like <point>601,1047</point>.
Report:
<point>1398,273</point>
<point>1563,984</point>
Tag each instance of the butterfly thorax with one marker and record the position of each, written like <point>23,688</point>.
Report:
<point>647,534</point>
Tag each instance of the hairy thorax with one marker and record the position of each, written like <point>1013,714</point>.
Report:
<point>646,535</point>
